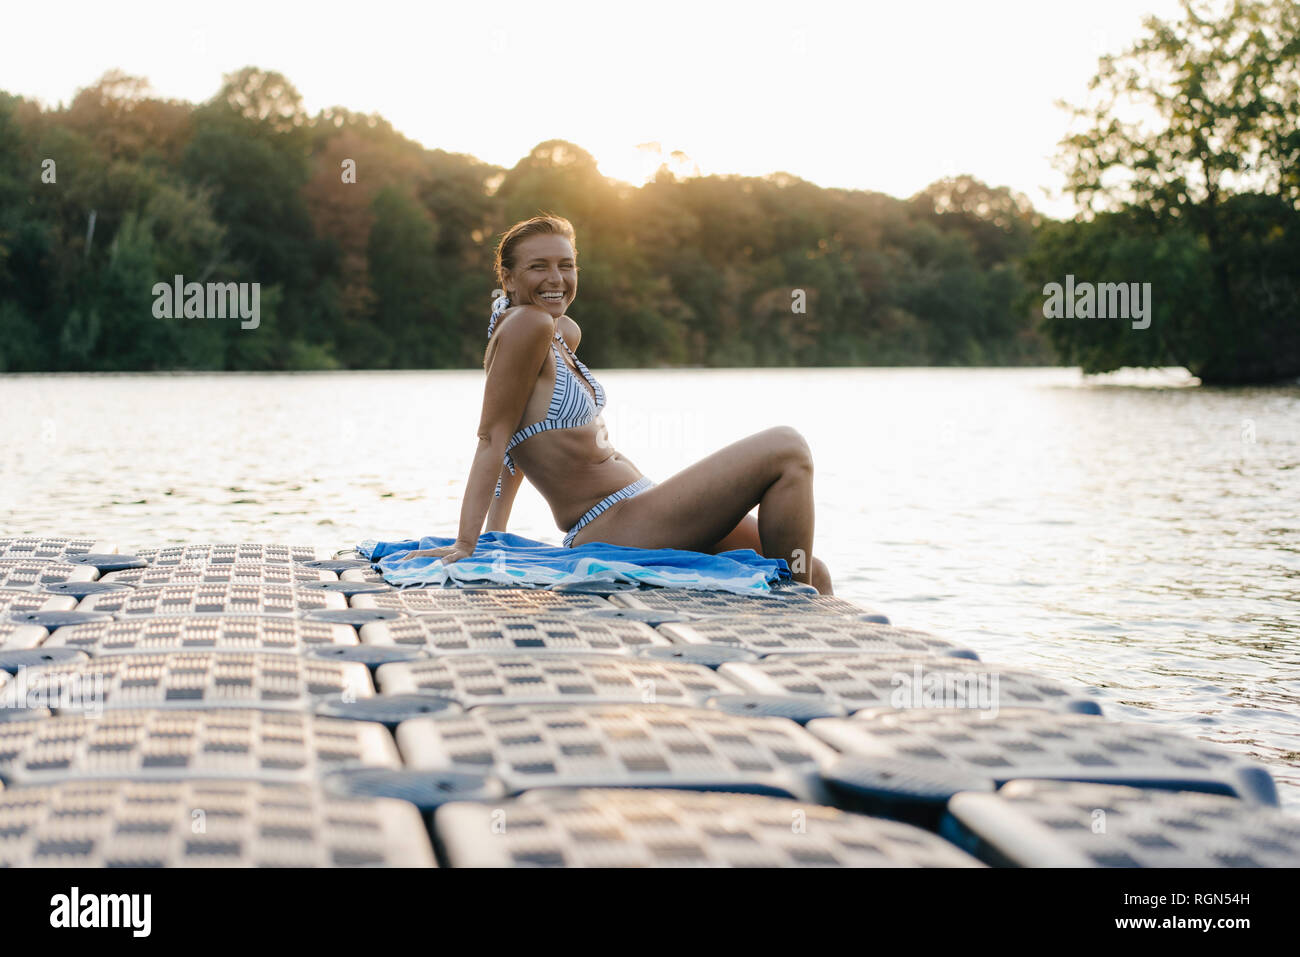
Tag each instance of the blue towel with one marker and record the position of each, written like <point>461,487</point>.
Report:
<point>515,560</point>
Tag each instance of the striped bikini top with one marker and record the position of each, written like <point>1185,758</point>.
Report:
<point>571,404</point>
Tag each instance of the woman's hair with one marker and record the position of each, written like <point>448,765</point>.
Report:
<point>543,225</point>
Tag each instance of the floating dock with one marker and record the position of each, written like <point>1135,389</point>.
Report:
<point>258,704</point>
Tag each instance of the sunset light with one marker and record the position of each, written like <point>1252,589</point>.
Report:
<point>876,95</point>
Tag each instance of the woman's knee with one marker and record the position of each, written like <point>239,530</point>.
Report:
<point>821,576</point>
<point>792,445</point>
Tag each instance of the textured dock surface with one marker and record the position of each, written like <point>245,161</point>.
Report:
<point>240,704</point>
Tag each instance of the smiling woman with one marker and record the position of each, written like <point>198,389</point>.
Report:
<point>541,417</point>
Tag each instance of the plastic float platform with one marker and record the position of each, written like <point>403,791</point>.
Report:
<point>318,716</point>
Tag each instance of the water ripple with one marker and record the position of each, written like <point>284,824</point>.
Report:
<point>1129,535</point>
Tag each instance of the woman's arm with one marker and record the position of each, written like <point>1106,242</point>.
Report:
<point>499,511</point>
<point>521,350</point>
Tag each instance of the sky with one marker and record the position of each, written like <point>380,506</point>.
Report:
<point>885,96</point>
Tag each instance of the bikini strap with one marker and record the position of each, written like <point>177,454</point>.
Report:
<point>586,374</point>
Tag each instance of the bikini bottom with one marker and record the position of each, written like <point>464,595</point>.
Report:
<point>640,485</point>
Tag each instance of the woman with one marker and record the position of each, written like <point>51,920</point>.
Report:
<point>541,416</point>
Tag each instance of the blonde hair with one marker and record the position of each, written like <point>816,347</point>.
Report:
<point>547,224</point>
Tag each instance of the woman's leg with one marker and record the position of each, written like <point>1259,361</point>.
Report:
<point>696,508</point>
<point>745,535</point>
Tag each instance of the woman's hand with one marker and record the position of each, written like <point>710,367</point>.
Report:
<point>448,553</point>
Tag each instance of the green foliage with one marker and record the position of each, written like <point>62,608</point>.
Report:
<point>394,270</point>
<point>406,315</point>
<point>1191,149</point>
<point>1124,247</point>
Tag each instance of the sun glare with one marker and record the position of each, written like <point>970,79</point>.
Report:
<point>638,164</point>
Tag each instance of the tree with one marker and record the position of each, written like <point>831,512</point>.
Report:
<point>124,122</point>
<point>1194,119</point>
<point>407,317</point>
<point>1211,108</point>
<point>394,269</point>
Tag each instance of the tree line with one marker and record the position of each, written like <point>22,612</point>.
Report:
<point>393,269</point>
<point>374,252</point>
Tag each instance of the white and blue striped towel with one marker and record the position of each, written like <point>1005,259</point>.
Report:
<point>512,559</point>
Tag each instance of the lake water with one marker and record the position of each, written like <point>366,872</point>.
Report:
<point>1130,533</point>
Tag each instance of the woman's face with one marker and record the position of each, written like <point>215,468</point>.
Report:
<point>544,267</point>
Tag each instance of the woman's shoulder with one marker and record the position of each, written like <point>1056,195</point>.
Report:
<point>571,331</point>
<point>525,319</point>
<point>524,328</point>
